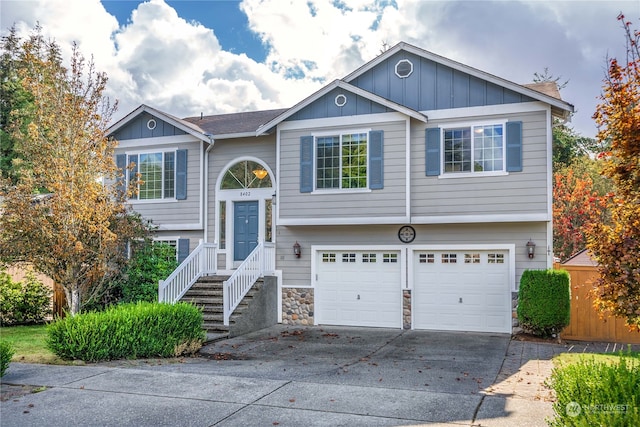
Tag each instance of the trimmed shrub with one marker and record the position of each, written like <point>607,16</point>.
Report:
<point>592,393</point>
<point>149,264</point>
<point>128,331</point>
<point>6,353</point>
<point>23,302</point>
<point>544,301</point>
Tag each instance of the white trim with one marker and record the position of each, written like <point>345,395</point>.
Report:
<point>407,172</point>
<point>344,221</point>
<point>160,140</point>
<point>347,122</point>
<point>472,219</point>
<point>510,247</point>
<point>474,175</point>
<point>181,124</point>
<point>497,110</point>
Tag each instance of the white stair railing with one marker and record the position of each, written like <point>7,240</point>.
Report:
<point>201,262</point>
<point>260,261</point>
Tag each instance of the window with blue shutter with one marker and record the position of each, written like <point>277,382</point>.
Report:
<point>432,151</point>
<point>376,159</point>
<point>514,146</point>
<point>162,175</point>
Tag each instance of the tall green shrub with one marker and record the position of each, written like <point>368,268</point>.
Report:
<point>149,264</point>
<point>128,331</point>
<point>544,301</point>
<point>6,353</point>
<point>23,302</point>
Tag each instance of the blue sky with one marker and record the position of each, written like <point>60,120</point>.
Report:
<point>211,56</point>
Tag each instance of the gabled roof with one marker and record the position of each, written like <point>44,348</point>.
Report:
<point>347,87</point>
<point>559,107</point>
<point>234,124</point>
<point>581,258</point>
<point>184,125</point>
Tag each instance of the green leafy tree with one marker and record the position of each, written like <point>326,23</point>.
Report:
<point>616,246</point>
<point>150,263</point>
<point>76,233</point>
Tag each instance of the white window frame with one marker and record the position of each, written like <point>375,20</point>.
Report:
<point>472,172</point>
<point>339,134</point>
<point>137,198</point>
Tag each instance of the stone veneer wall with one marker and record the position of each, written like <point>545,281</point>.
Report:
<point>297,306</point>
<point>406,309</point>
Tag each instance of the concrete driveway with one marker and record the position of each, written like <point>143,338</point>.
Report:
<point>284,376</point>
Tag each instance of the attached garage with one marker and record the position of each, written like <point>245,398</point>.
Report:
<point>462,290</point>
<point>359,288</point>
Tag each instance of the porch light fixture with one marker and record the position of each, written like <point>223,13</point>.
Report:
<point>296,249</point>
<point>260,173</point>
<point>531,249</point>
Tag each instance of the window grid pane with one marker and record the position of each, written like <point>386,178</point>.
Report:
<point>488,148</point>
<point>354,161</point>
<point>151,176</point>
<point>328,162</point>
<point>457,150</point>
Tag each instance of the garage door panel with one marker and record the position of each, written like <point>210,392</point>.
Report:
<point>462,290</point>
<point>363,291</point>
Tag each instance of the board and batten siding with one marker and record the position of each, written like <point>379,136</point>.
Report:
<point>225,153</point>
<point>172,211</point>
<point>386,202</point>
<point>523,192</point>
<point>297,271</point>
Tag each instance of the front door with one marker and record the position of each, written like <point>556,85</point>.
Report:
<point>245,229</point>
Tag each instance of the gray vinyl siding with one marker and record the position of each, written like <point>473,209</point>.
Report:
<point>386,202</point>
<point>523,192</point>
<point>297,271</point>
<point>137,128</point>
<point>172,211</point>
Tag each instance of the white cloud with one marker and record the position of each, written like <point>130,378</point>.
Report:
<point>160,59</point>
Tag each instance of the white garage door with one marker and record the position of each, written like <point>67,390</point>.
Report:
<point>358,288</point>
<point>462,291</point>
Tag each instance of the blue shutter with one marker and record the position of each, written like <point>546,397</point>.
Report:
<point>183,249</point>
<point>306,164</point>
<point>432,152</point>
<point>121,182</point>
<point>514,146</point>
<point>181,174</point>
<point>376,159</point>
<point>134,171</point>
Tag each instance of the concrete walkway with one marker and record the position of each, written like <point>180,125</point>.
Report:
<point>287,376</point>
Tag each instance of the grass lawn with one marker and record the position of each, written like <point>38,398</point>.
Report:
<point>29,344</point>
<point>564,359</point>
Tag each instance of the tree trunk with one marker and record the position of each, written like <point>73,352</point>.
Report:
<point>74,303</point>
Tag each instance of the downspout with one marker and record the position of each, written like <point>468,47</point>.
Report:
<point>205,185</point>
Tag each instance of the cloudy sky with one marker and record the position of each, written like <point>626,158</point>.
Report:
<point>191,56</point>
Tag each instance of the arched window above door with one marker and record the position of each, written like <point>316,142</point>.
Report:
<point>246,174</point>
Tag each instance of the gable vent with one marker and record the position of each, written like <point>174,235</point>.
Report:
<point>404,68</point>
<point>341,100</point>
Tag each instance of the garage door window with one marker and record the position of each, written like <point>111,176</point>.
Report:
<point>328,257</point>
<point>427,258</point>
<point>449,258</point>
<point>389,257</point>
<point>472,258</point>
<point>348,257</point>
<point>369,258</point>
<point>495,259</point>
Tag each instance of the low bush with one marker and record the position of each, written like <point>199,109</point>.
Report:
<point>128,331</point>
<point>544,301</point>
<point>6,353</point>
<point>597,393</point>
<point>25,302</point>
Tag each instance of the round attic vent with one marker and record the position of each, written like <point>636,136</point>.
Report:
<point>404,68</point>
<point>151,124</point>
<point>341,100</point>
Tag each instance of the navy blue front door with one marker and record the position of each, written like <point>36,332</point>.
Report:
<point>245,229</point>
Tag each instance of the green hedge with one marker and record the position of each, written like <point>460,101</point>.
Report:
<point>23,302</point>
<point>544,301</point>
<point>6,353</point>
<point>128,331</point>
<point>592,393</point>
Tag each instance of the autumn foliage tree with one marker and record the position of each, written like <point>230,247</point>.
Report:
<point>617,246</point>
<point>57,215</point>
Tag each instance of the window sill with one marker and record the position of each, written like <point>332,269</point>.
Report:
<point>151,201</point>
<point>472,174</point>
<point>338,191</point>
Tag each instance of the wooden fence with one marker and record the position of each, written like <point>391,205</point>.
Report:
<point>585,323</point>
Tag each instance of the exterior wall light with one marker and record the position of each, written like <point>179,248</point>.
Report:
<point>260,173</point>
<point>296,249</point>
<point>531,249</point>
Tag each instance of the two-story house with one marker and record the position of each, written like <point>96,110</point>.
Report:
<point>411,193</point>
